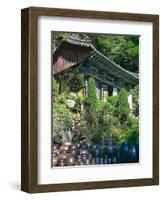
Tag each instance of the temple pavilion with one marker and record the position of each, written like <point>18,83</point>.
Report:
<point>109,76</point>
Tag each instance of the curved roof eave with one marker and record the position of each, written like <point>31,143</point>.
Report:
<point>115,67</point>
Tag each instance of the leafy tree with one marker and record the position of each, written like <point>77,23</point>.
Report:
<point>81,130</point>
<point>57,38</point>
<point>90,111</point>
<point>131,134</point>
<point>55,89</point>
<point>92,99</point>
<point>122,107</point>
<point>113,101</point>
<point>135,98</point>
<point>123,50</point>
<point>105,121</point>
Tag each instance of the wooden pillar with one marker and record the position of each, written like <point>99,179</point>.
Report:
<point>130,100</point>
<point>105,88</point>
<point>115,91</point>
<point>85,90</point>
<point>97,89</point>
<point>60,87</point>
<point>102,92</point>
<point>110,90</point>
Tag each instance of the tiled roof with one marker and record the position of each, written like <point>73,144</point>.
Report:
<point>100,59</point>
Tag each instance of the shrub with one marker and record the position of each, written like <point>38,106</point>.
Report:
<point>63,113</point>
<point>131,132</point>
<point>90,109</point>
<point>105,121</point>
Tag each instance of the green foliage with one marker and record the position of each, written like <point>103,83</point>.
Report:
<point>61,98</point>
<point>89,109</point>
<point>91,98</point>
<point>131,134</point>
<point>113,101</point>
<point>104,107</point>
<point>105,124</point>
<point>62,123</point>
<point>63,113</point>
<point>57,38</point>
<point>108,124</point>
<point>98,122</point>
<point>104,121</point>
<point>55,87</point>
<point>123,50</point>
<point>81,130</point>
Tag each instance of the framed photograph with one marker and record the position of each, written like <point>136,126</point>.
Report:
<point>90,99</point>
